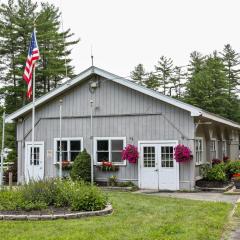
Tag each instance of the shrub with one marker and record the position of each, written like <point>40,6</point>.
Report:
<point>81,169</point>
<point>217,173</point>
<point>232,167</point>
<point>40,191</point>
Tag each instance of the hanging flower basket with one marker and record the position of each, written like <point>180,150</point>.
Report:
<point>130,153</point>
<point>107,167</point>
<point>182,153</point>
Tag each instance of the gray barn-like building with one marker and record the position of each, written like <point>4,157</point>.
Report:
<point>123,113</point>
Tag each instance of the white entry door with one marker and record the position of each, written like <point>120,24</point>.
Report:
<point>34,168</point>
<point>158,169</point>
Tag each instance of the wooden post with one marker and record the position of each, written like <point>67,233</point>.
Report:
<point>10,176</point>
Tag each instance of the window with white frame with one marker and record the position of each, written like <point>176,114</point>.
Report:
<point>109,149</point>
<point>199,150</point>
<point>71,147</point>
<point>224,148</point>
<point>213,148</point>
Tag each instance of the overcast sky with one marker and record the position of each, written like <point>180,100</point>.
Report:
<point>124,33</point>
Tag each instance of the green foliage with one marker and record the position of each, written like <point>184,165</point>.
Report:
<point>139,74</point>
<point>81,169</point>
<point>16,25</point>
<point>164,69</point>
<point>232,167</point>
<point>206,88</point>
<point>78,196</point>
<point>217,173</point>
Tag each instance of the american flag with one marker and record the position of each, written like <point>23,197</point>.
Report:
<point>33,56</point>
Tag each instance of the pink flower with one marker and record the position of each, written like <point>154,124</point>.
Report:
<point>182,153</point>
<point>130,153</point>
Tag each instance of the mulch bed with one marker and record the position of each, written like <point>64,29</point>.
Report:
<point>211,184</point>
<point>49,210</point>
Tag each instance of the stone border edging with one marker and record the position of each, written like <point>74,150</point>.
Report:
<point>107,210</point>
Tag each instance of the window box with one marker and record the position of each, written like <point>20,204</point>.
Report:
<point>107,167</point>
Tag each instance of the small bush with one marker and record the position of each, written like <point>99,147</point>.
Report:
<point>81,169</point>
<point>232,167</point>
<point>40,191</point>
<point>217,173</point>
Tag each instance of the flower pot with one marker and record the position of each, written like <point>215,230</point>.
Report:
<point>237,184</point>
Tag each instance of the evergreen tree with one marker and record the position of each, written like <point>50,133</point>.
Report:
<point>177,82</point>
<point>197,61</point>
<point>139,74</point>
<point>231,62</point>
<point>16,25</point>
<point>152,81</point>
<point>206,88</point>
<point>164,70</point>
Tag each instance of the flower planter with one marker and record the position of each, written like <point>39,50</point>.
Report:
<point>107,167</point>
<point>237,184</point>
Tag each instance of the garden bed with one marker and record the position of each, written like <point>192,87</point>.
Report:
<point>51,198</point>
<point>52,214</point>
<point>217,186</point>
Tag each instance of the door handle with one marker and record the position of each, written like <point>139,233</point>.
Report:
<point>156,170</point>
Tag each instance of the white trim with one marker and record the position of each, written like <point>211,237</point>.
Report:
<point>109,139</point>
<point>201,162</point>
<point>162,142</point>
<point>216,146</point>
<point>68,139</point>
<point>195,111</point>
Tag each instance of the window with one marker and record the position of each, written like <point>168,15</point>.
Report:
<point>71,147</point>
<point>109,149</point>
<point>224,148</point>
<point>149,156</point>
<point>199,150</point>
<point>167,156</point>
<point>35,156</point>
<point>213,148</point>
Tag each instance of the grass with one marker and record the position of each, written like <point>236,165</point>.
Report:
<point>135,217</point>
<point>237,211</point>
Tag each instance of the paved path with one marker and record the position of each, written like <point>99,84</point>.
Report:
<point>235,233</point>
<point>202,196</point>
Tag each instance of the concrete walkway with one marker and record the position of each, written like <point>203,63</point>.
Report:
<point>202,196</point>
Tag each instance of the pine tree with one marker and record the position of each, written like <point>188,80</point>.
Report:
<point>177,82</point>
<point>206,88</point>
<point>231,60</point>
<point>139,74</point>
<point>16,25</point>
<point>152,81</point>
<point>164,70</point>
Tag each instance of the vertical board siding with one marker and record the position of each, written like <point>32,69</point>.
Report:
<point>109,99</point>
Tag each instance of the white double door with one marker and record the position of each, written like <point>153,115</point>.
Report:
<point>34,163</point>
<point>158,169</point>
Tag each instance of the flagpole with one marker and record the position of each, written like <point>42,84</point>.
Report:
<point>33,120</point>
<point>2,150</point>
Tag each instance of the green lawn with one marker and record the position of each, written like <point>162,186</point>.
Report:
<point>135,217</point>
<point>237,212</point>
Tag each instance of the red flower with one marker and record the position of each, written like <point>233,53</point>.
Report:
<point>236,175</point>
